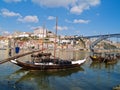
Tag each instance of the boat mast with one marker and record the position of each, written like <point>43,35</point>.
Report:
<point>47,39</point>
<point>43,37</point>
<point>55,38</point>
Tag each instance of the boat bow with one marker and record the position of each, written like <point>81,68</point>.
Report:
<point>79,61</point>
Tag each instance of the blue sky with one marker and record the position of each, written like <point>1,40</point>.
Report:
<point>75,17</point>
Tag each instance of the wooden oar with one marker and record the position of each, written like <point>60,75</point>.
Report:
<point>17,56</point>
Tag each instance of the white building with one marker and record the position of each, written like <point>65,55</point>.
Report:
<point>24,34</point>
<point>21,34</point>
<point>65,41</point>
<point>40,32</point>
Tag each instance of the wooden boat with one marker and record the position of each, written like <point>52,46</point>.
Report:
<point>97,57</point>
<point>48,63</point>
<point>118,55</point>
<point>110,59</point>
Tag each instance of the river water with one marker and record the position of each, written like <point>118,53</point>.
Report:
<point>89,76</point>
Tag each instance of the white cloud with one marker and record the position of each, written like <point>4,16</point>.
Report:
<point>78,9</point>
<point>54,3</point>
<point>8,1</point>
<point>51,17</point>
<point>61,28</point>
<point>81,21</point>
<point>94,2</point>
<point>31,19</point>
<point>83,5</point>
<point>68,21</point>
<point>7,13</point>
<point>75,6</point>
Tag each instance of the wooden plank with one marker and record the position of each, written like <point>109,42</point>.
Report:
<point>18,56</point>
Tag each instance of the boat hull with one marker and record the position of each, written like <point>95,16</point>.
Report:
<point>106,60</point>
<point>97,59</point>
<point>111,61</point>
<point>46,66</point>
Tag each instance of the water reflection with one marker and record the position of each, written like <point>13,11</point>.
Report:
<point>94,76</point>
<point>40,79</point>
<point>98,65</point>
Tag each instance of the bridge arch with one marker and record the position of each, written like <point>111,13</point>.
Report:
<point>102,37</point>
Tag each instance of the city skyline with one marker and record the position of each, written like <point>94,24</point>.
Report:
<point>75,17</point>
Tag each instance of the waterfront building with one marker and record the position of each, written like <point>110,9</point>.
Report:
<point>40,32</point>
<point>3,42</point>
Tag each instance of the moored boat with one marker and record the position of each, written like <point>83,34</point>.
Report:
<point>97,57</point>
<point>48,63</point>
<point>118,55</point>
<point>110,59</point>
